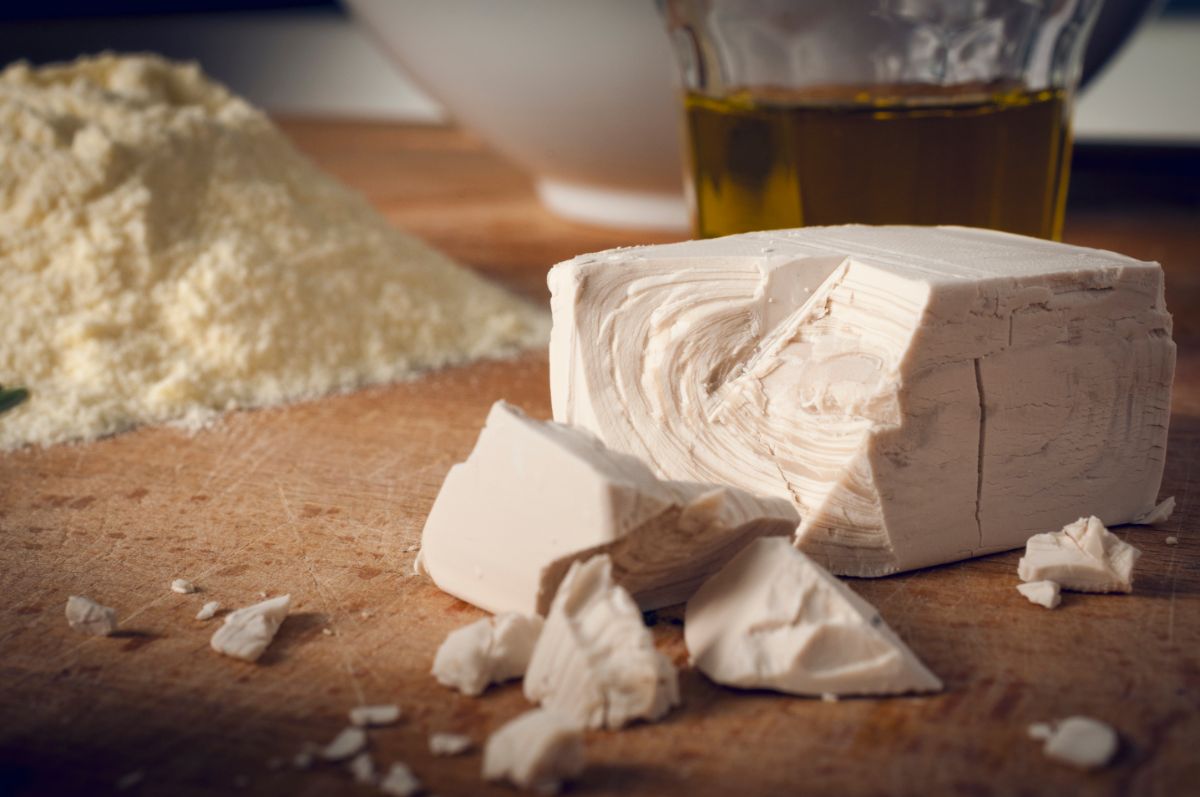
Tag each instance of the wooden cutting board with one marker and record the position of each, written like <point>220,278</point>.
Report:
<point>326,500</point>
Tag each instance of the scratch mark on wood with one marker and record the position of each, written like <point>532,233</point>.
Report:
<point>348,663</point>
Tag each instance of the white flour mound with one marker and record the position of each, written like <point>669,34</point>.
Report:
<point>166,255</point>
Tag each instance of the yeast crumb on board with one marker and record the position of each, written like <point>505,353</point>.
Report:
<point>1161,513</point>
<point>208,610</point>
<point>400,781</point>
<point>1083,557</point>
<point>1042,593</point>
<point>247,632</point>
<point>145,287</point>
<point>540,750</point>
<point>307,755</point>
<point>374,716</point>
<point>362,768</point>
<point>89,617</point>
<point>1081,742</point>
<point>182,586</point>
<point>449,744</point>
<point>487,651</point>
<point>349,742</point>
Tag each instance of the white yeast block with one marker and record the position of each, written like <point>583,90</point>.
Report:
<point>535,496</point>
<point>247,632</point>
<point>1043,593</point>
<point>921,394</point>
<point>84,614</point>
<point>595,663</point>
<point>1084,557</point>
<point>774,619</point>
<point>487,651</point>
<point>538,750</point>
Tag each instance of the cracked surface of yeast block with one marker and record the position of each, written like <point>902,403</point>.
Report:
<point>921,394</point>
<point>595,662</point>
<point>535,496</point>
<point>487,651</point>
<point>1083,557</point>
<point>774,619</point>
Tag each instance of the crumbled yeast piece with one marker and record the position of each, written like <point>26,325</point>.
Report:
<point>1041,731</point>
<point>248,631</point>
<point>1079,741</point>
<point>208,610</point>
<point>538,750</point>
<point>373,716</point>
<point>182,586</point>
<point>1043,593</point>
<point>348,743</point>
<point>921,394</point>
<point>400,781</point>
<point>84,614</point>
<point>449,744</point>
<point>1161,513</point>
<point>307,755</point>
<point>1171,540</point>
<point>487,651</point>
<point>535,496</point>
<point>362,768</point>
<point>595,663</point>
<point>773,618</point>
<point>1084,557</point>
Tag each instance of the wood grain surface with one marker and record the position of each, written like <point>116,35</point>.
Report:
<point>325,501</point>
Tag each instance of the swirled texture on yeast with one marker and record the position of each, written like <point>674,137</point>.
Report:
<point>922,395</point>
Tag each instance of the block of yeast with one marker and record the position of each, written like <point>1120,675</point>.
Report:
<point>920,394</point>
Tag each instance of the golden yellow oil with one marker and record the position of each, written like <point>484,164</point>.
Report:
<point>1000,160</point>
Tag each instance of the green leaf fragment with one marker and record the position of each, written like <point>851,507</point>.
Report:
<point>11,397</point>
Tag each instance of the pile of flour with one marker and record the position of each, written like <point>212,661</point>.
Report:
<point>166,255</point>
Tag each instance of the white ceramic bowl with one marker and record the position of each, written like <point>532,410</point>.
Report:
<point>578,92</point>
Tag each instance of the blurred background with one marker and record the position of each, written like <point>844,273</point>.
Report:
<point>308,58</point>
<point>1137,122</point>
